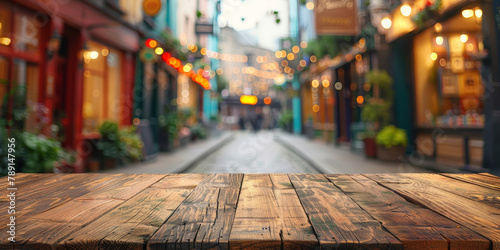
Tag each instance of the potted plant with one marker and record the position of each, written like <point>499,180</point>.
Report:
<point>391,143</point>
<point>41,153</point>
<point>198,132</point>
<point>110,146</point>
<point>133,143</point>
<point>169,130</point>
<point>376,111</point>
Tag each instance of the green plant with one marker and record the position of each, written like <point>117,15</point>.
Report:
<point>286,118</point>
<point>198,14</point>
<point>110,144</point>
<point>390,136</point>
<point>170,123</point>
<point>375,112</point>
<point>133,143</point>
<point>427,13</point>
<point>198,131</point>
<point>382,84</point>
<point>40,153</point>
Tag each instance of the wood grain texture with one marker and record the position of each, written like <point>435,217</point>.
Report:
<point>204,218</point>
<point>336,219</point>
<point>269,215</point>
<point>474,192</point>
<point>76,211</point>
<point>484,180</point>
<point>416,227</point>
<point>132,223</point>
<point>480,218</point>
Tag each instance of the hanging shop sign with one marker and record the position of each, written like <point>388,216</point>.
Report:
<point>204,28</point>
<point>336,17</point>
<point>151,7</point>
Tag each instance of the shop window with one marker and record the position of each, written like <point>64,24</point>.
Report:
<point>27,32</point>
<point>102,86</point>
<point>448,86</point>
<point>25,80</point>
<point>5,29</point>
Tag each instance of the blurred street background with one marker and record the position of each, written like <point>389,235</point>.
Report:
<point>250,86</point>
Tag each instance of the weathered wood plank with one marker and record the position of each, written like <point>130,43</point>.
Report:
<point>474,192</point>
<point>129,225</point>
<point>480,218</point>
<point>336,219</point>
<point>484,180</point>
<point>414,226</point>
<point>75,211</point>
<point>204,218</point>
<point>269,215</point>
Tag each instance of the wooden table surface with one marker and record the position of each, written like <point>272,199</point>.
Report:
<point>287,211</point>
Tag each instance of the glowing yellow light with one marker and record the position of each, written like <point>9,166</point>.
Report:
<point>303,44</point>
<point>194,49</point>
<point>467,13</point>
<point>5,41</point>
<point>290,56</point>
<point>284,63</point>
<point>190,46</point>
<point>442,62</point>
<point>464,38</point>
<point>469,47</point>
<point>479,13</point>
<point>439,40</point>
<point>303,63</point>
<point>315,108</point>
<point>434,56</point>
<point>105,52</point>
<point>405,9</point>
<point>245,59</point>
<point>203,51</point>
<point>359,57</point>
<point>295,49</point>
<point>315,83</point>
<point>438,27</point>
<point>313,59</point>
<point>187,67</point>
<point>325,83</point>
<point>310,5</point>
<point>360,99</point>
<point>277,54</point>
<point>249,99</point>
<point>94,55</point>
<point>386,23</point>
<point>159,50</point>
<point>283,53</point>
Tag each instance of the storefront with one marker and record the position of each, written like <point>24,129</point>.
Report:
<point>72,67</point>
<point>448,91</point>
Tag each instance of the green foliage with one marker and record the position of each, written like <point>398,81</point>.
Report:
<point>376,112</point>
<point>110,144</point>
<point>427,13</point>
<point>133,143</point>
<point>380,78</point>
<point>198,131</point>
<point>391,136</point>
<point>286,118</point>
<point>198,14</point>
<point>170,123</point>
<point>38,153</point>
<point>328,46</point>
<point>174,45</point>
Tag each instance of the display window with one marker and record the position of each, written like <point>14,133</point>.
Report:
<point>20,38</point>
<point>102,86</point>
<point>448,85</point>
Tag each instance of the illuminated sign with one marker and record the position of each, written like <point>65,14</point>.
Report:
<point>249,99</point>
<point>151,7</point>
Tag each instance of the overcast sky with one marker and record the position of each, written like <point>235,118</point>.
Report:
<point>256,18</point>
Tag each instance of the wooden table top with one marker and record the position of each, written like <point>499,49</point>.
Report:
<point>299,211</point>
